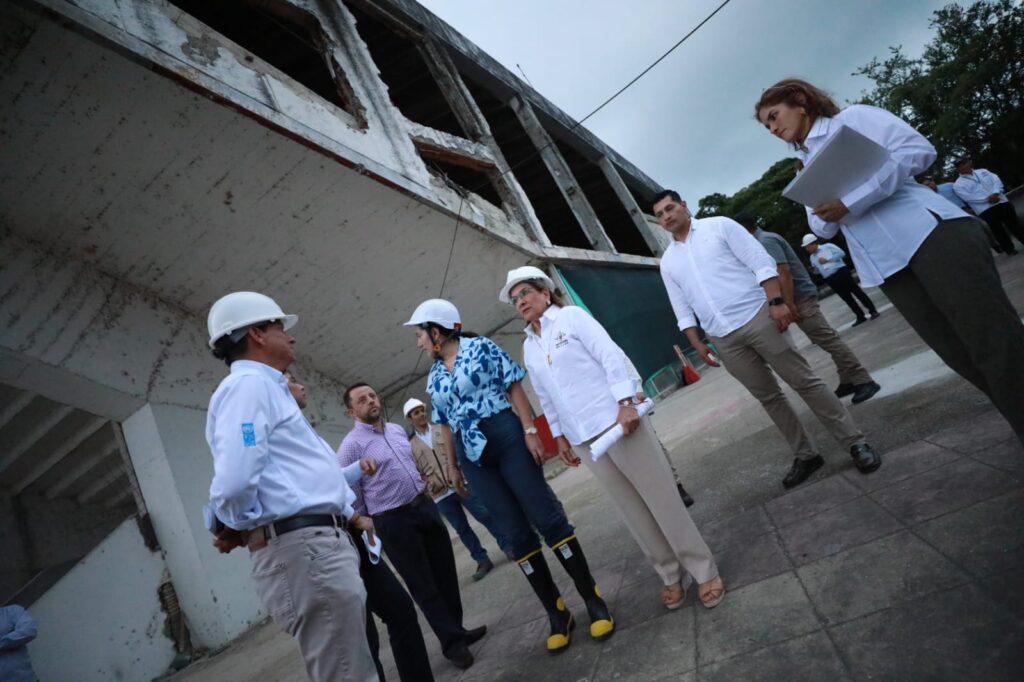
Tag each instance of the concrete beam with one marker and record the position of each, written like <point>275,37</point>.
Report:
<point>76,439</point>
<point>473,121</point>
<point>563,176</point>
<point>636,214</point>
<point>41,429</point>
<point>84,466</point>
<point>101,484</point>
<point>450,148</point>
<point>15,407</point>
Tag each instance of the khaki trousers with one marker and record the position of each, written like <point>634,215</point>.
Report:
<point>308,581</point>
<point>635,474</point>
<point>822,335</point>
<point>751,353</point>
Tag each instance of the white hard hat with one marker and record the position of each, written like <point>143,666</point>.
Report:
<point>241,310</point>
<point>437,310</point>
<point>521,275</point>
<point>808,239</point>
<point>410,405</point>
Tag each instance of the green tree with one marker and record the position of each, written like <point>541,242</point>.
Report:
<point>966,91</point>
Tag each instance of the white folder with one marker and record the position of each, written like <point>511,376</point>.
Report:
<point>845,162</point>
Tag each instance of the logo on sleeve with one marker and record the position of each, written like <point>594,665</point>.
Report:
<point>248,435</point>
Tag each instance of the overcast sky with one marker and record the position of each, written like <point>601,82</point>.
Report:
<point>688,123</point>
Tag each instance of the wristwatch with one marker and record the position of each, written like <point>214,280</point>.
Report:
<point>778,300</point>
<point>532,431</point>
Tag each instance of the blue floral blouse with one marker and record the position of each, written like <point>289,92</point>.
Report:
<point>475,389</point>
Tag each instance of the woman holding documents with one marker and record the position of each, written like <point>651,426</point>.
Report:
<point>586,389</point>
<point>930,258</point>
<point>473,387</point>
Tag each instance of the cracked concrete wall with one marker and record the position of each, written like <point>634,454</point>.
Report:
<point>102,620</point>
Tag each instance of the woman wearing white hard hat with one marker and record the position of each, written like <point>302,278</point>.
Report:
<point>585,386</point>
<point>473,386</point>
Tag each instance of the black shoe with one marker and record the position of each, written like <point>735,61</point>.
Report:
<point>843,390</point>
<point>482,569</point>
<point>687,500</point>
<point>864,391</point>
<point>802,468</point>
<point>460,656</point>
<point>859,320</point>
<point>875,314</point>
<point>865,459</point>
<point>473,635</point>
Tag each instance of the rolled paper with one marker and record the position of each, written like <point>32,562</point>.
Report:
<point>612,436</point>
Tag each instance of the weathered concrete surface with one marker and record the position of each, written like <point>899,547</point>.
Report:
<point>910,573</point>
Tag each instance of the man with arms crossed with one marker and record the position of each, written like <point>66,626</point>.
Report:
<point>712,270</point>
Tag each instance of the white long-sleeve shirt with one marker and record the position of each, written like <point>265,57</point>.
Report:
<point>890,213</point>
<point>268,462</point>
<point>578,373</point>
<point>715,275</point>
<point>977,186</point>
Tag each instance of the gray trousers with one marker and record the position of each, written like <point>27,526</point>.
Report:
<point>751,353</point>
<point>308,581</point>
<point>952,296</point>
<point>822,335</point>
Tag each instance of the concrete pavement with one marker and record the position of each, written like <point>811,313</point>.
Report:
<point>910,573</point>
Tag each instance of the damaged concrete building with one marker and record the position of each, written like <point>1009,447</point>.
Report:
<point>348,157</point>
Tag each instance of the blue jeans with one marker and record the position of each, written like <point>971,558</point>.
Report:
<point>475,506</point>
<point>517,495</point>
<point>451,509</point>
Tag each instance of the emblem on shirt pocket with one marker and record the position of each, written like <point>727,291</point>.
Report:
<point>248,435</point>
<point>561,340</point>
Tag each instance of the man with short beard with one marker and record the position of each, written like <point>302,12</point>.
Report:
<point>716,271</point>
<point>407,520</point>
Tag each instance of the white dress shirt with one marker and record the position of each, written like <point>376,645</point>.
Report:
<point>268,462</point>
<point>890,213</point>
<point>977,186</point>
<point>578,373</point>
<point>715,275</point>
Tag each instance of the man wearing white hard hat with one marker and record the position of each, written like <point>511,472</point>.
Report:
<point>277,490</point>
<point>426,442</point>
<point>828,261</point>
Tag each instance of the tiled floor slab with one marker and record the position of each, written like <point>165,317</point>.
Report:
<point>959,635</point>
<point>942,490</point>
<point>753,617</point>
<point>985,538</point>
<point>810,658</point>
<point>852,523</point>
<point>902,463</point>
<point>876,575</point>
<point>810,499</point>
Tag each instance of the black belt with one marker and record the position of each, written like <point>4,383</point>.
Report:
<point>305,521</point>
<point>414,502</point>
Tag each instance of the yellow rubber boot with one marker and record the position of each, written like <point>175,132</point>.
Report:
<point>536,570</point>
<point>571,556</point>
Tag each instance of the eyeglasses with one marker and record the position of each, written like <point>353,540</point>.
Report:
<point>523,293</point>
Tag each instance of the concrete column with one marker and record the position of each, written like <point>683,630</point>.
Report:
<point>173,465</point>
<point>651,238</point>
<point>476,126</point>
<point>563,176</point>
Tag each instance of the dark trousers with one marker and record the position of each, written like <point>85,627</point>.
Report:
<point>1003,221</point>
<point>451,509</point>
<point>843,284</point>
<point>518,496</point>
<point>952,296</point>
<point>386,598</point>
<point>416,542</point>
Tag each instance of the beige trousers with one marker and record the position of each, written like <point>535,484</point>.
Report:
<point>751,353</point>
<point>308,581</point>
<point>822,335</point>
<point>636,475</point>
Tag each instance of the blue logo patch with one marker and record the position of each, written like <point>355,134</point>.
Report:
<point>248,435</point>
